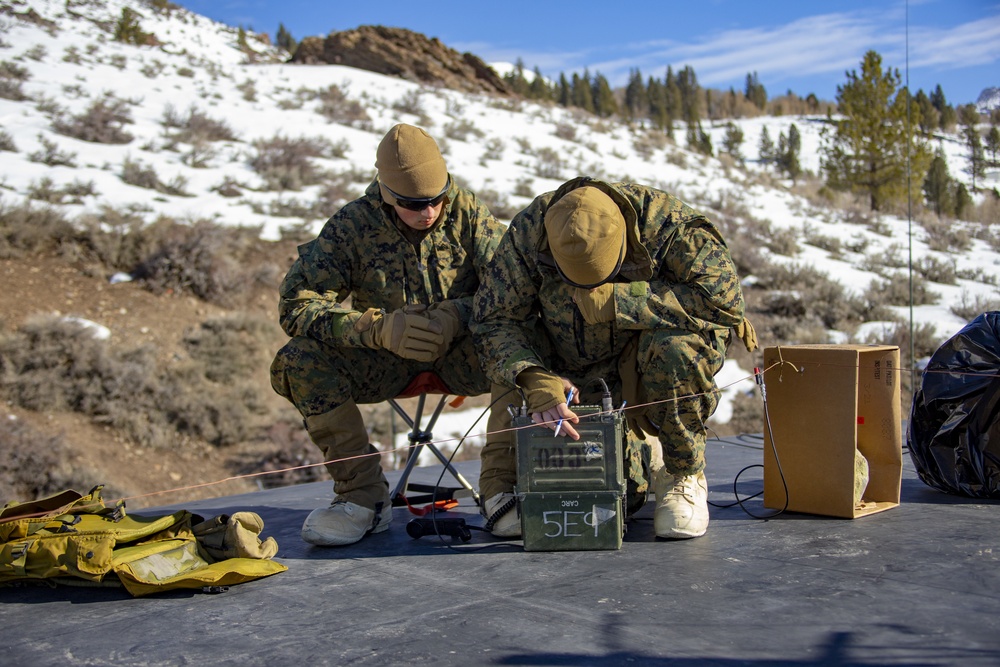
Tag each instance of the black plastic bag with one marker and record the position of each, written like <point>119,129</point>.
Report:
<point>954,431</point>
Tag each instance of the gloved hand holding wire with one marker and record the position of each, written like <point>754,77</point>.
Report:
<point>545,394</point>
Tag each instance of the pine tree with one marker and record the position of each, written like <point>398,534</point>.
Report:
<point>636,100</point>
<point>867,151</point>
<point>788,153</point>
<point>539,89</point>
<point>658,114</point>
<point>732,142</point>
<point>704,145</point>
<point>564,94</point>
<point>963,201</point>
<point>765,147</point>
<point>755,91</point>
<point>515,79</point>
<point>993,145</point>
<point>690,100</point>
<point>672,96</point>
<point>605,104</point>
<point>969,118</point>
<point>930,118</point>
<point>947,118</point>
<point>581,93</point>
<point>284,40</point>
<point>938,187</point>
<point>127,29</point>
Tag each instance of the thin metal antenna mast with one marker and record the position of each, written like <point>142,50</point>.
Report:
<point>909,196</point>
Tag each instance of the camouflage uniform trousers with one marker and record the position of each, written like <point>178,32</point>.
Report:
<point>318,378</point>
<point>676,375</point>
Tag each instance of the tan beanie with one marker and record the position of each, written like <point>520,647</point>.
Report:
<point>586,233</point>
<point>410,164</point>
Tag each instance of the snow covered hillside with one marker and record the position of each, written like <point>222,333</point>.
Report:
<point>61,60</point>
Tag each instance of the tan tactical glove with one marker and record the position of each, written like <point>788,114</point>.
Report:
<point>236,536</point>
<point>406,332</point>
<point>747,334</point>
<point>543,390</point>
<point>447,315</point>
<point>596,305</point>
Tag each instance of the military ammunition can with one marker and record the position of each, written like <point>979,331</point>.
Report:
<point>571,491</point>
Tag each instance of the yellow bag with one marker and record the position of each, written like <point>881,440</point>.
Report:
<point>71,537</point>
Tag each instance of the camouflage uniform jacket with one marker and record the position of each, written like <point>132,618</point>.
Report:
<point>361,253</point>
<point>678,273</point>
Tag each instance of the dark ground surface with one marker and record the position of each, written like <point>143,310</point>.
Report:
<point>918,584</point>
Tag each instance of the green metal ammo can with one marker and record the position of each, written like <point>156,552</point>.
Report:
<point>571,491</point>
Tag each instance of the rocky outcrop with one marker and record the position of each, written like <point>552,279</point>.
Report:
<point>402,53</point>
<point>988,100</point>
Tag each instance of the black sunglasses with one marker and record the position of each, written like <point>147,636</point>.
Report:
<point>419,204</point>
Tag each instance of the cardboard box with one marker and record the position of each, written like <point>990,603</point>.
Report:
<point>823,402</point>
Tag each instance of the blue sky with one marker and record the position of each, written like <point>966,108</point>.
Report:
<point>799,45</point>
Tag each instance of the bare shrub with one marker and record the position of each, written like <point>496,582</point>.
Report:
<point>748,413</point>
<point>197,127</point>
<point>137,174</point>
<point>499,206</point>
<point>936,270</point>
<point>832,244</point>
<point>412,103</point>
<point>462,129</point>
<point>51,155</point>
<point>72,55</point>
<point>945,236</point>
<point>896,291</point>
<point>35,465</point>
<point>229,187</point>
<point>293,449</point>
<point>27,230</point>
<point>783,242</point>
<point>249,90</point>
<point>335,106</point>
<point>202,259</point>
<point>548,163</point>
<point>57,364</point>
<point>968,308</point>
<point>7,142</point>
<point>493,149</point>
<point>804,292</point>
<point>71,193</point>
<point>566,131</point>
<point>228,347</point>
<point>103,122</point>
<point>334,193</point>
<point>286,164</point>
<point>925,341</point>
<point>12,76</point>
<point>524,187</point>
<point>125,390</point>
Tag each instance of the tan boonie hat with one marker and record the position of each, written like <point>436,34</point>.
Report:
<point>586,232</point>
<point>410,164</point>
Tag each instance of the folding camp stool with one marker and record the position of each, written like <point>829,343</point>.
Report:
<point>423,384</point>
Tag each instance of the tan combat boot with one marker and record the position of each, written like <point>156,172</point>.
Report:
<point>498,472</point>
<point>681,505</point>
<point>362,504</point>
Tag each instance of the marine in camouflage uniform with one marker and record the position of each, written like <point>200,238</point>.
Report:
<point>400,280</point>
<point>671,307</point>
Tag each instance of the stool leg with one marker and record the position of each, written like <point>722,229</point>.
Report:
<point>419,439</point>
